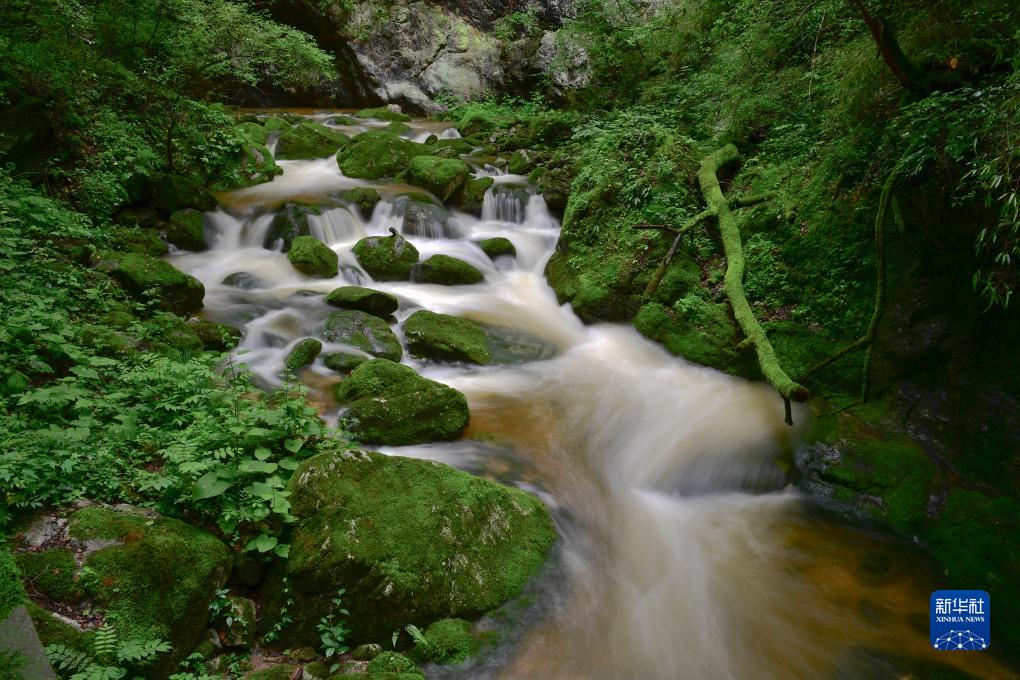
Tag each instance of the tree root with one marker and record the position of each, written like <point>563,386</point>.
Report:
<point>733,281</point>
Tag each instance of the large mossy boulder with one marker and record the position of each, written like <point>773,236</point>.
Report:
<point>363,331</point>
<point>374,302</point>
<point>446,271</point>
<point>149,577</point>
<point>308,140</point>
<point>302,354</point>
<point>313,258</point>
<point>498,246</point>
<point>442,337</point>
<point>412,541</point>
<point>288,224</point>
<point>391,404</point>
<point>153,280</point>
<point>171,193</point>
<point>386,258</point>
<point>253,131</point>
<point>440,176</point>
<point>186,230</point>
<point>383,113</point>
<point>377,153</point>
<point>471,196</point>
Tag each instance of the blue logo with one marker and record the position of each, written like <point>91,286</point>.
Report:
<point>960,620</point>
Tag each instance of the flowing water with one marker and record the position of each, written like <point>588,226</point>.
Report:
<point>682,552</point>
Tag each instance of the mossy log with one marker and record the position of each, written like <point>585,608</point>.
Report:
<point>733,282</point>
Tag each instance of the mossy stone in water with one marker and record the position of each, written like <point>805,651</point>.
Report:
<point>151,279</point>
<point>302,354</point>
<point>171,193</point>
<point>242,280</point>
<point>343,362</point>
<point>377,153</point>
<point>343,120</point>
<point>471,195</point>
<point>312,257</point>
<point>289,223</point>
<point>187,230</point>
<point>457,145</point>
<point>363,197</point>
<point>308,140</point>
<point>383,113</point>
<point>449,641</point>
<point>386,258</point>
<point>277,124</point>
<point>498,247</point>
<point>374,302</point>
<point>218,337</point>
<point>363,331</point>
<point>392,404</point>
<point>446,338</point>
<point>446,271</point>
<point>413,541</point>
<point>441,176</point>
<point>255,132</point>
<point>398,128</point>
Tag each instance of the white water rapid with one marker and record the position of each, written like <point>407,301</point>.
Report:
<point>682,553</point>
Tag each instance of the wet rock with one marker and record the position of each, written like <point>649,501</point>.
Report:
<point>363,331</point>
<point>384,113</point>
<point>440,176</point>
<point>388,258</point>
<point>253,165</point>
<point>471,195</point>
<point>153,280</point>
<point>413,541</point>
<point>289,223</point>
<point>498,247</point>
<point>343,362</point>
<point>446,271</point>
<point>313,258</point>
<point>215,336</point>
<point>509,203</point>
<point>277,124</point>
<point>242,280</point>
<point>254,131</point>
<point>564,61</point>
<point>422,217</point>
<point>171,193</point>
<point>187,230</point>
<point>374,302</point>
<point>308,140</point>
<point>343,120</point>
<point>363,197</point>
<point>443,337</point>
<point>376,154</point>
<point>366,652</point>
<point>243,626</point>
<point>391,404</point>
<point>303,354</point>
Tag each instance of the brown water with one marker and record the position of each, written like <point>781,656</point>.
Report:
<point>683,553</point>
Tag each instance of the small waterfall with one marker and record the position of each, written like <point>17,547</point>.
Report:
<point>422,219</point>
<point>337,225</point>
<point>506,203</point>
<point>450,133</point>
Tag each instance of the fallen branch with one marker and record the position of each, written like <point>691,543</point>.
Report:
<point>653,285</point>
<point>733,281</point>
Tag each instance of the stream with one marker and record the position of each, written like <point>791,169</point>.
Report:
<point>683,551</point>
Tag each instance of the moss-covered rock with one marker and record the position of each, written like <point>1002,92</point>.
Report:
<point>152,280</point>
<point>187,230</point>
<point>302,354</point>
<point>363,197</point>
<point>343,120</point>
<point>171,193</point>
<point>383,113</point>
<point>254,131</point>
<point>391,404</point>
<point>308,140</point>
<point>441,176</point>
<point>217,337</point>
<point>448,641</point>
<point>376,154</point>
<point>279,672</point>
<point>289,223</point>
<point>374,302</point>
<point>242,280</point>
<point>446,271</point>
<point>150,577</point>
<point>446,338</point>
<point>413,541</point>
<point>253,164</point>
<point>51,573</point>
<point>498,247</point>
<point>702,332</point>
<point>343,362</point>
<point>11,592</point>
<point>366,652</point>
<point>364,331</point>
<point>393,666</point>
<point>277,123</point>
<point>313,258</point>
<point>471,195</point>
<point>457,145</point>
<point>386,258</point>
<point>137,240</point>
<point>398,128</point>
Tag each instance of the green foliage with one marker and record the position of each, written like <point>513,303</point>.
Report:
<point>109,658</point>
<point>283,616</point>
<point>333,630</point>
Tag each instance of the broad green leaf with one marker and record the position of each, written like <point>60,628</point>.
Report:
<point>209,485</point>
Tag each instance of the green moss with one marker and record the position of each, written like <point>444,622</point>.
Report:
<point>303,354</point>
<point>498,247</point>
<point>457,145</point>
<point>471,195</point>
<point>392,666</point>
<point>308,140</point>
<point>391,404</point>
<point>449,641</point>
<point>11,592</point>
<point>398,128</point>
<point>519,164</point>
<point>282,672</point>
<point>383,113</point>
<point>255,132</point>
<point>151,279</point>
<point>446,271</point>
<point>215,336</point>
<point>138,240</point>
<point>441,176</point>
<point>364,331</point>
<point>277,124</point>
<point>51,573</point>
<point>343,362</point>
<point>447,338</point>
<point>376,154</point>
<point>363,197</point>
<point>343,120</point>
<point>176,192</point>
<point>389,258</point>
<point>412,541</point>
<point>366,300</point>
<point>701,332</point>
<point>187,230</point>
<point>313,258</point>
<point>288,224</point>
